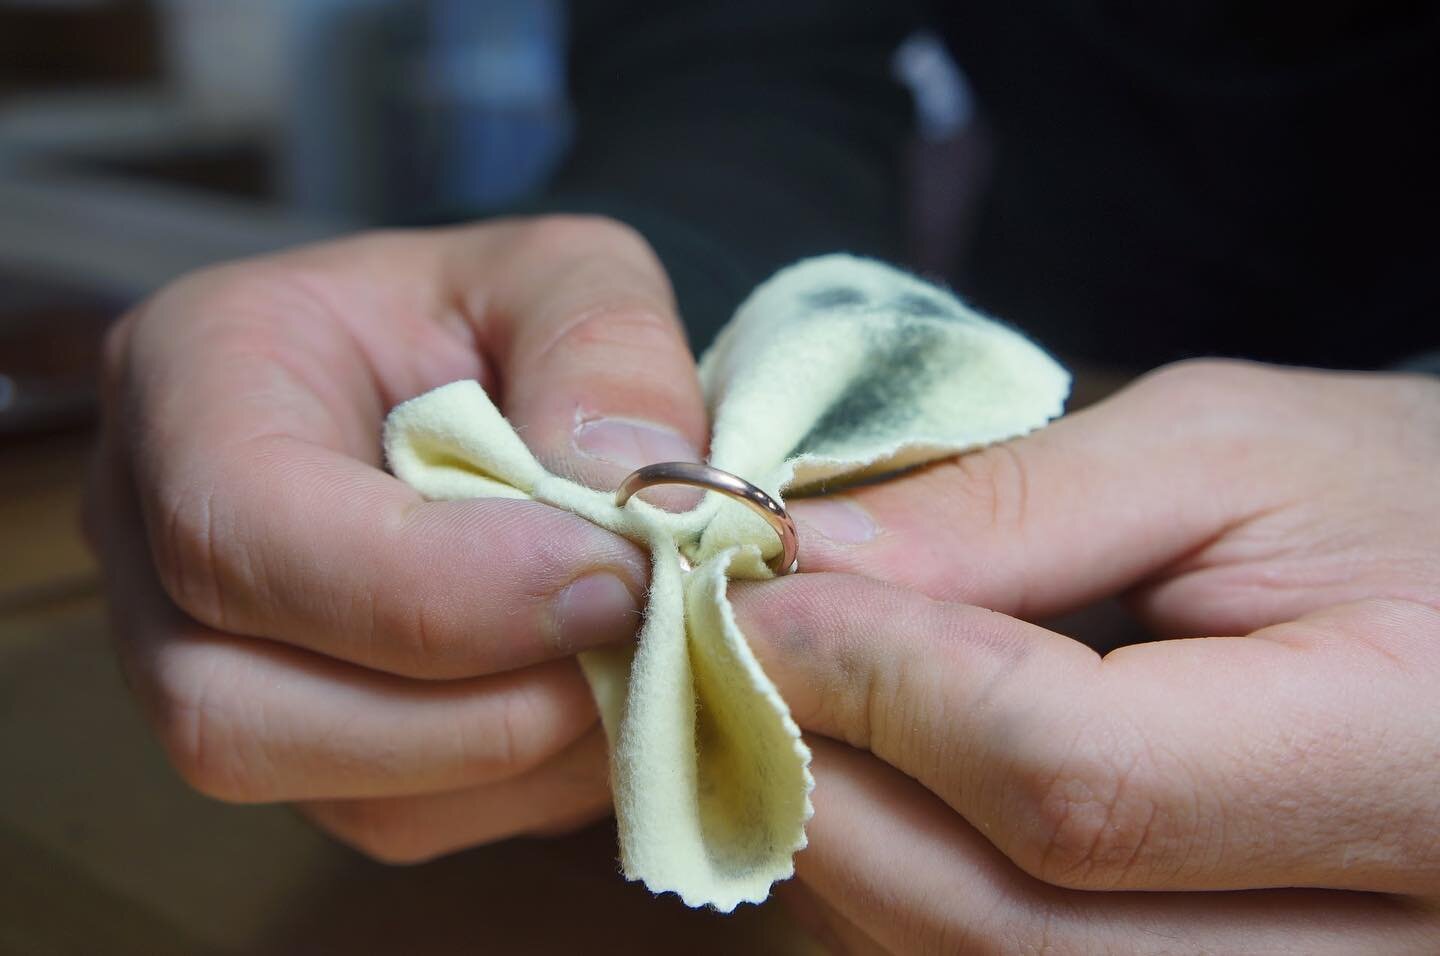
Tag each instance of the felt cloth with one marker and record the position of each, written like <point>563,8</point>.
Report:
<point>835,369</point>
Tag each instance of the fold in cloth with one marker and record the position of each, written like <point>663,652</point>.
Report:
<point>835,369</point>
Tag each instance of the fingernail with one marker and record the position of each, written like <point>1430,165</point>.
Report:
<point>630,443</point>
<point>839,519</point>
<point>593,610</point>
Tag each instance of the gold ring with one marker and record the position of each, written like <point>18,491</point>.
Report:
<point>704,476</point>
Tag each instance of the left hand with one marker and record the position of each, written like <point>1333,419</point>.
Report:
<point>300,626</point>
<point>1273,792</point>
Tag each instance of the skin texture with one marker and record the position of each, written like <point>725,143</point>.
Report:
<point>987,785</point>
<point>297,624</point>
<point>300,627</point>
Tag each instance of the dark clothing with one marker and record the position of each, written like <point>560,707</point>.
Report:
<point>1233,178</point>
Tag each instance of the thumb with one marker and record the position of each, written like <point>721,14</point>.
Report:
<point>593,363</point>
<point>1204,764</point>
<point>1078,511</point>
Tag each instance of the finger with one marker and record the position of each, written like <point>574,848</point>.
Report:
<point>267,516</point>
<point>350,563</point>
<point>566,792</point>
<point>250,720</point>
<point>1223,763</point>
<point>1098,502</point>
<point>595,369</point>
<point>915,877</point>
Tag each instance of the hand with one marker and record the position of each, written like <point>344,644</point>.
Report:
<point>299,625</point>
<point>1002,773</point>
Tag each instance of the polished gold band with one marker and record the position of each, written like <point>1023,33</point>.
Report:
<point>704,476</point>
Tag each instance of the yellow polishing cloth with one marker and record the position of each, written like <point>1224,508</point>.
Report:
<point>836,368</point>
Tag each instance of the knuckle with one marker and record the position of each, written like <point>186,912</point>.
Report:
<point>992,483</point>
<point>241,305</point>
<point>371,252</point>
<point>988,493</point>
<point>193,720</point>
<point>416,626</point>
<point>569,232</point>
<point>533,717</point>
<point>186,555</point>
<point>505,745</point>
<point>403,620</point>
<point>1205,391</point>
<point>1101,822</point>
<point>419,643</point>
<point>1213,403</point>
<point>621,325</point>
<point>428,641</point>
<point>209,287</point>
<point>513,737</point>
<point>1203,375</point>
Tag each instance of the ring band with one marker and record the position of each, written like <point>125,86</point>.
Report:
<point>704,476</point>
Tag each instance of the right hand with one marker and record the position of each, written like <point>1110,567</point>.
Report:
<point>301,626</point>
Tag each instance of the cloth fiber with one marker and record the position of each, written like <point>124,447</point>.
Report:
<point>834,370</point>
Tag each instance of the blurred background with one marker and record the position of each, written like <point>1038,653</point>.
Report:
<point>141,139</point>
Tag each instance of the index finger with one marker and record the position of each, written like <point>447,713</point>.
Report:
<point>1204,764</point>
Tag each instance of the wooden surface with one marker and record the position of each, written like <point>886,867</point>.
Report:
<point>104,851</point>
